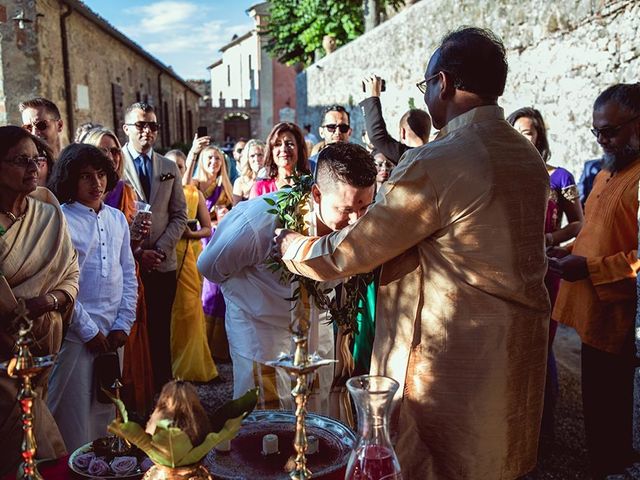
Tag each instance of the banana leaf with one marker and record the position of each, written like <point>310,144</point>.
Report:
<point>171,447</point>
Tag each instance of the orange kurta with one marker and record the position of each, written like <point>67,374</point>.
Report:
<point>602,307</point>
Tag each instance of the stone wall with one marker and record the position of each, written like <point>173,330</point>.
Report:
<point>561,55</point>
<point>99,65</point>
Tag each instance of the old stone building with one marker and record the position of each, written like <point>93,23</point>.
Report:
<point>250,91</point>
<point>561,55</point>
<point>64,51</point>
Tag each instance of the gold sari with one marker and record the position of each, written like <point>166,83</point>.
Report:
<point>36,257</point>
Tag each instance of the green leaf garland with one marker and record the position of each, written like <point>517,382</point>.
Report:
<point>288,203</point>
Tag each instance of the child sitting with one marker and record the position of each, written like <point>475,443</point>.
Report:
<point>106,304</point>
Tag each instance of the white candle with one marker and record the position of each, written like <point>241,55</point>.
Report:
<point>269,444</point>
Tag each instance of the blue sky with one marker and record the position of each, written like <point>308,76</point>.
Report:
<point>185,34</point>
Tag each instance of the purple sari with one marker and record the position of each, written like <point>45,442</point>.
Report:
<point>212,299</point>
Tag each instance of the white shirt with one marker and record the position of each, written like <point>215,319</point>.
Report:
<point>257,316</point>
<point>108,291</point>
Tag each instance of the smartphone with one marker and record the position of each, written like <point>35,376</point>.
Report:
<point>202,132</point>
<point>193,225</point>
<point>383,87</point>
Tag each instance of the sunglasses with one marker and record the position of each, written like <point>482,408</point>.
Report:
<point>24,161</point>
<point>343,127</point>
<point>610,132</point>
<point>113,151</point>
<point>238,150</point>
<point>40,125</point>
<point>140,126</point>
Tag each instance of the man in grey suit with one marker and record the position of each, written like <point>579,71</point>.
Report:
<point>156,181</point>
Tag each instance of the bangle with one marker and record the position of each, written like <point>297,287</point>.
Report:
<point>55,301</point>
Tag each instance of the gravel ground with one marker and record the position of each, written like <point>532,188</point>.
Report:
<point>566,458</point>
<point>563,459</point>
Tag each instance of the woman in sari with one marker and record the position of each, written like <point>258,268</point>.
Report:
<point>190,354</point>
<point>38,265</point>
<point>137,370</point>
<point>286,155</point>
<point>564,200</point>
<point>213,181</point>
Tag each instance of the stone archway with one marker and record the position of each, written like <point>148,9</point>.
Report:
<point>237,125</point>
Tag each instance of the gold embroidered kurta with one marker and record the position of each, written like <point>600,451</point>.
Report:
<point>463,318</point>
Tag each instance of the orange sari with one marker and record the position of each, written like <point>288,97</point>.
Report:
<point>137,371</point>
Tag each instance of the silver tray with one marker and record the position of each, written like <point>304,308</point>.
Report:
<point>137,473</point>
<point>236,464</point>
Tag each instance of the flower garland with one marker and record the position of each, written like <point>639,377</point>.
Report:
<point>288,207</point>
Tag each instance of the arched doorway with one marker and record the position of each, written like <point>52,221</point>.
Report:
<point>237,125</point>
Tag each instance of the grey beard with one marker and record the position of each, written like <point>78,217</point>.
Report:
<point>617,161</point>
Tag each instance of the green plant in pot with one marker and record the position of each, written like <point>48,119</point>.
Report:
<point>179,433</point>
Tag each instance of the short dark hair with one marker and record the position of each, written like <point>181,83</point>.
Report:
<point>345,163</point>
<point>66,172</point>
<point>419,122</point>
<point>144,106</point>
<point>626,94</point>
<point>336,108</point>
<point>542,143</point>
<point>302,166</point>
<point>38,102</point>
<point>476,59</point>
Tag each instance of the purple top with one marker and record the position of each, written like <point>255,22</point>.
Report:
<point>113,197</point>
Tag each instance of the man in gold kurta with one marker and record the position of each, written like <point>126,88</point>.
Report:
<point>463,318</point>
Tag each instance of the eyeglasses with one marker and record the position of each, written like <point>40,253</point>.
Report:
<point>24,161</point>
<point>40,125</point>
<point>422,86</point>
<point>113,151</point>
<point>343,127</point>
<point>610,132</point>
<point>140,126</point>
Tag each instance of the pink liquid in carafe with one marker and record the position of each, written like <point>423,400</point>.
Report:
<point>373,462</point>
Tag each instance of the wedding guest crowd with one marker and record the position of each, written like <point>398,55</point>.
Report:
<point>147,266</point>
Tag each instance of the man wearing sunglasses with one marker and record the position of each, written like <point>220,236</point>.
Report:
<point>335,128</point>
<point>157,181</point>
<point>462,310</point>
<point>598,294</point>
<point>41,117</point>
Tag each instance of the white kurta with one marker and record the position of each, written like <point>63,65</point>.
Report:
<point>106,301</point>
<point>257,316</point>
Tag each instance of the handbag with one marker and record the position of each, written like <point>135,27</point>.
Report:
<point>106,370</point>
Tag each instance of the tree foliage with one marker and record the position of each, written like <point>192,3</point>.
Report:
<point>297,27</point>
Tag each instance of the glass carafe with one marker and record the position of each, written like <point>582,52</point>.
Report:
<point>373,457</point>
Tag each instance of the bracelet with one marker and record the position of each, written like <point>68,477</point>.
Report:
<point>55,301</point>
